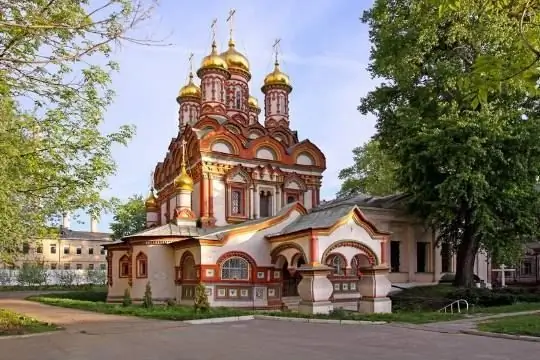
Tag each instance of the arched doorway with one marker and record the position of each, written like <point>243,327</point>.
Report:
<point>291,281</point>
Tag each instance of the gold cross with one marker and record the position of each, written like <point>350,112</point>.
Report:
<point>151,180</point>
<point>213,28</point>
<point>183,144</point>
<point>230,20</point>
<point>190,59</point>
<point>275,46</point>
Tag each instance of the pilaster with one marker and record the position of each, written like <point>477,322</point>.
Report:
<point>411,251</point>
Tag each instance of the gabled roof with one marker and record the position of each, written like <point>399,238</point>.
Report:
<point>170,229</point>
<point>84,235</point>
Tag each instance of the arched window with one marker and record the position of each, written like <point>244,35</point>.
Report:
<point>188,268</point>
<point>358,262</point>
<point>235,268</point>
<point>142,265</point>
<point>338,263</point>
<point>123,267</point>
<point>238,99</point>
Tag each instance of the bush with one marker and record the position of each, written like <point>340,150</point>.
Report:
<point>170,302</point>
<point>201,299</point>
<point>66,277</point>
<point>5,278</point>
<point>32,274</point>
<point>97,277</point>
<point>147,299</point>
<point>126,301</point>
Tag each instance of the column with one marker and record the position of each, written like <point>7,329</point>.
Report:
<point>251,207</point>
<point>278,199</point>
<point>315,289</point>
<point>210,196</point>
<point>411,253</point>
<point>256,200</point>
<point>437,267</point>
<point>374,287</point>
<point>204,197</point>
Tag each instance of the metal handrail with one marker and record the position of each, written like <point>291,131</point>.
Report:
<point>457,303</point>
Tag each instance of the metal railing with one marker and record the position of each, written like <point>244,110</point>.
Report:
<point>457,305</point>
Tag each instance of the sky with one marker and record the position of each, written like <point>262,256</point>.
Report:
<point>324,49</point>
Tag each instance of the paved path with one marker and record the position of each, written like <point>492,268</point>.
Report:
<point>93,336</point>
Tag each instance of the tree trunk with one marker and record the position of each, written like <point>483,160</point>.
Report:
<point>465,258</point>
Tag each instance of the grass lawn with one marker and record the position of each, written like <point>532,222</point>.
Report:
<point>95,301</point>
<point>506,308</point>
<point>16,324</point>
<point>514,325</point>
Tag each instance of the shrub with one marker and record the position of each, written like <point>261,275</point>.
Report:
<point>201,299</point>
<point>32,274</point>
<point>66,277</point>
<point>5,277</point>
<point>126,300</point>
<point>147,299</point>
<point>97,277</point>
<point>171,302</point>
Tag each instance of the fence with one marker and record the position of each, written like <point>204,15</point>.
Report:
<point>39,276</point>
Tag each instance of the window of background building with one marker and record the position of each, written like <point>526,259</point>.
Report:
<point>79,251</point>
<point>66,250</point>
<point>90,266</point>
<point>446,258</point>
<point>91,251</point>
<point>421,256</point>
<point>394,256</point>
<point>78,266</point>
<point>526,269</point>
<point>39,249</point>
<point>26,248</point>
<point>102,251</point>
<point>53,249</point>
<point>67,266</point>
<point>102,266</point>
<point>53,266</point>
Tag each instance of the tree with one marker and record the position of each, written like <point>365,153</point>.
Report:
<point>490,70</point>
<point>129,217</point>
<point>470,167</point>
<point>373,172</point>
<point>55,64</point>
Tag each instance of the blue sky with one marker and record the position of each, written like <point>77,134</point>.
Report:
<point>325,51</point>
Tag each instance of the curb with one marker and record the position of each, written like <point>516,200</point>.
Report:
<point>219,320</point>
<point>31,335</point>
<point>501,336</point>
<point>319,321</point>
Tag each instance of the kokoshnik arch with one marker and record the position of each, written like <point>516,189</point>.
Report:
<point>235,206</point>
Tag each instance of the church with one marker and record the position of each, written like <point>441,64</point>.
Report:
<point>235,206</point>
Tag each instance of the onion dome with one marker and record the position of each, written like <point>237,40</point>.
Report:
<point>183,181</point>
<point>277,77</point>
<point>253,102</point>
<point>213,61</point>
<point>151,200</point>
<point>190,89</point>
<point>235,60</point>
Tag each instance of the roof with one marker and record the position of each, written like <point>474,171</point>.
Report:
<point>170,229</point>
<point>395,201</point>
<point>84,235</point>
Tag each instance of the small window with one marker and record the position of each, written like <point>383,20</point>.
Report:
<point>78,266</point>
<point>236,202</point>
<point>235,268</point>
<point>26,248</point>
<point>188,268</point>
<point>338,263</point>
<point>67,266</point>
<point>102,251</point>
<point>79,251</point>
<point>142,265</point>
<point>102,266</point>
<point>291,199</point>
<point>90,251</point>
<point>53,266</point>
<point>66,250</point>
<point>124,266</point>
<point>90,266</point>
<point>39,249</point>
<point>53,249</point>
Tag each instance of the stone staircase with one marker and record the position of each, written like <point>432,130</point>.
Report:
<point>290,302</point>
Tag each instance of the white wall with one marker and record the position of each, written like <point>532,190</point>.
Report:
<point>218,194</point>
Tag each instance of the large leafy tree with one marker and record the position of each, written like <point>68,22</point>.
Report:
<point>373,172</point>
<point>470,166</point>
<point>56,57</point>
<point>129,217</point>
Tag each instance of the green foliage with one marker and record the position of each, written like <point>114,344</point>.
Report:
<point>528,325</point>
<point>97,277</point>
<point>66,277</point>
<point>470,167</point>
<point>16,324</point>
<point>373,172</point>
<point>129,217</point>
<point>201,299</point>
<point>126,300</point>
<point>56,60</point>
<point>147,299</point>
<point>32,274</point>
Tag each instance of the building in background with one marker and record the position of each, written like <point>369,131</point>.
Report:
<point>70,250</point>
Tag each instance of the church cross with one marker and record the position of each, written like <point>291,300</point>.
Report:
<point>190,59</point>
<point>213,29</point>
<point>151,180</point>
<point>503,270</point>
<point>275,46</point>
<point>183,144</point>
<point>230,20</point>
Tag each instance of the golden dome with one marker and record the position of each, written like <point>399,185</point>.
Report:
<point>253,102</point>
<point>214,61</point>
<point>151,200</point>
<point>277,77</point>
<point>190,89</point>
<point>183,181</point>
<point>235,60</point>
